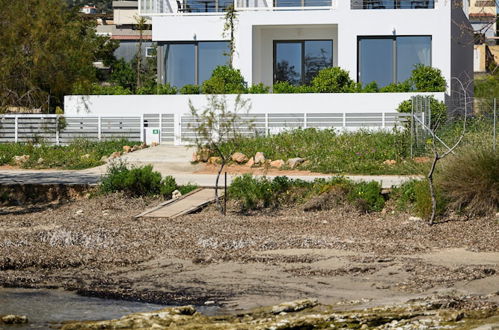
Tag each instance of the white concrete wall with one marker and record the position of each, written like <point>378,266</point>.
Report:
<point>133,105</point>
<point>256,28</point>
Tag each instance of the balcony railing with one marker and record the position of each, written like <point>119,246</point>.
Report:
<point>393,4</point>
<point>158,7</point>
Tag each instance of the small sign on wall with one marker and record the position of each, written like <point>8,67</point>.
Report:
<point>151,135</point>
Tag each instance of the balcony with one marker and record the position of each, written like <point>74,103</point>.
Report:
<point>209,7</point>
<point>393,4</point>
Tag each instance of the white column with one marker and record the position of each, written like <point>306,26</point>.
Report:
<point>16,127</point>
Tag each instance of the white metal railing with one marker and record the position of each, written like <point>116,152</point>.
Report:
<point>392,4</point>
<point>284,5</point>
<point>174,128</point>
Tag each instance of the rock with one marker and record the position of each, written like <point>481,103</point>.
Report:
<point>250,162</point>
<point>14,319</point>
<point>115,155</point>
<point>421,160</point>
<point>295,162</point>
<point>277,163</point>
<point>176,194</point>
<point>85,156</point>
<point>415,219</point>
<point>79,212</point>
<point>239,158</point>
<point>20,160</point>
<point>127,149</point>
<point>390,162</point>
<point>154,144</point>
<point>209,302</point>
<point>203,155</point>
<point>259,158</point>
<point>295,306</point>
<point>214,160</point>
<point>104,159</point>
<point>40,161</point>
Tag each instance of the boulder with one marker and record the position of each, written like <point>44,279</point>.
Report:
<point>250,162</point>
<point>154,144</point>
<point>20,160</point>
<point>214,160</point>
<point>294,306</point>
<point>176,194</point>
<point>14,319</point>
<point>295,162</point>
<point>127,149</point>
<point>259,158</point>
<point>203,155</point>
<point>115,155</point>
<point>277,163</point>
<point>239,158</point>
<point>390,162</point>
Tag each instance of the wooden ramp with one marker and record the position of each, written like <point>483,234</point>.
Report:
<point>183,205</point>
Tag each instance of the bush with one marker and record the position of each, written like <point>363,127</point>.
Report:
<point>123,74</point>
<point>438,110</point>
<point>470,181</point>
<point>332,80</point>
<point>405,195</point>
<point>251,192</point>
<point>168,186</point>
<point>372,87</point>
<point>225,80</point>
<point>259,89</point>
<point>138,181</point>
<point>428,79</point>
<point>190,90</point>
<point>166,89</point>
<point>366,196</point>
<point>402,87</point>
<point>283,87</point>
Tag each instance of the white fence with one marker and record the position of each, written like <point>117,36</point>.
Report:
<point>174,128</point>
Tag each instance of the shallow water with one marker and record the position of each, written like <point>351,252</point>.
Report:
<point>45,307</point>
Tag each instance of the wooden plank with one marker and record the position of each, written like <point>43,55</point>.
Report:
<point>183,205</point>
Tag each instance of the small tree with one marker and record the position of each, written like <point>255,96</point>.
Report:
<point>218,128</point>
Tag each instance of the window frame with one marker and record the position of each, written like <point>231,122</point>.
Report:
<point>164,46</point>
<point>302,55</point>
<point>394,51</point>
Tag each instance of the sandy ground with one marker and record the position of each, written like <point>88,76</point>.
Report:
<point>338,256</point>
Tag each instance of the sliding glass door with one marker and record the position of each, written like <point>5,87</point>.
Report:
<point>297,62</point>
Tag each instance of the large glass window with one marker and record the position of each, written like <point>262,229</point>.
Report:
<point>387,60</point>
<point>193,63</point>
<point>297,62</point>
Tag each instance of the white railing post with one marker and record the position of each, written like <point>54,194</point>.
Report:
<point>160,127</point>
<point>383,119</point>
<point>99,128</point>
<point>57,130</point>
<point>141,126</point>
<point>266,124</point>
<point>305,120</point>
<point>177,129</point>
<point>16,129</point>
<point>344,120</point>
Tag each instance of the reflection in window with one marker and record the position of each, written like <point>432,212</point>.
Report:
<point>297,62</point>
<point>387,60</point>
<point>181,67</point>
<point>179,64</point>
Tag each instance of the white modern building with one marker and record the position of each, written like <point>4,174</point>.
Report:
<point>290,40</point>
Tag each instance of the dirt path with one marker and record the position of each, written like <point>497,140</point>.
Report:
<point>339,256</point>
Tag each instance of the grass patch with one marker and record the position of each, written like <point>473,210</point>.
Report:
<point>362,152</point>
<point>80,154</point>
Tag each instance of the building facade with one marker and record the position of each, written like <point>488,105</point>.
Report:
<point>291,40</point>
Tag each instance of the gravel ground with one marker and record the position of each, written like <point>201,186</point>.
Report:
<point>96,247</point>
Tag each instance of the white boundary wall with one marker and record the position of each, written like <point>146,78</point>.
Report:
<point>136,105</point>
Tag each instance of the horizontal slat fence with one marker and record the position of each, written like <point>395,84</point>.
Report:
<point>176,128</point>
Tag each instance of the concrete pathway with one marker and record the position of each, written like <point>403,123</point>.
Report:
<point>168,160</point>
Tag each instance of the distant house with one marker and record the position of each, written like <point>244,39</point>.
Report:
<point>88,10</point>
<point>124,28</point>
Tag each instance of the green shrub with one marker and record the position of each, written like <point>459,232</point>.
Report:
<point>123,74</point>
<point>438,110</point>
<point>142,181</point>
<point>283,87</point>
<point>251,192</point>
<point>428,79</point>
<point>168,186</point>
<point>97,89</point>
<point>470,181</point>
<point>372,87</point>
<point>187,188</point>
<point>259,89</point>
<point>190,90</point>
<point>402,87</point>
<point>225,80</point>
<point>366,196</point>
<point>332,80</point>
<point>166,89</point>
<point>487,86</point>
<point>405,195</point>
<point>422,205</point>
